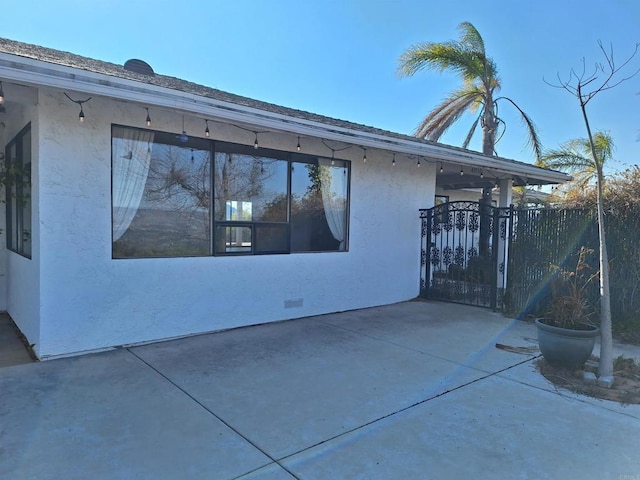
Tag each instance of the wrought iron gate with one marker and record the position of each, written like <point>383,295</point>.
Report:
<point>463,259</point>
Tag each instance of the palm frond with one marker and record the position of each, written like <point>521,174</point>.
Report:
<point>603,142</point>
<point>566,159</point>
<point>470,37</point>
<point>466,57</point>
<point>576,156</point>
<point>446,113</point>
<point>440,57</point>
<point>472,42</point>
<point>472,130</point>
<point>533,139</point>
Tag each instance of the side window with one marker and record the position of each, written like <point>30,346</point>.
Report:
<point>18,192</point>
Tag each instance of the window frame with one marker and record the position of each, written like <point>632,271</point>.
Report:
<point>15,198</point>
<point>230,148</point>
<point>291,159</point>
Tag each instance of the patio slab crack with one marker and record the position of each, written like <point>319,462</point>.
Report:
<point>221,420</point>
<point>404,409</point>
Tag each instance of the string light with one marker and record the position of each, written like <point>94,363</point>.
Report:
<point>481,174</point>
<point>298,145</point>
<point>1,94</point>
<point>441,168</point>
<point>255,144</point>
<point>364,155</point>
<point>79,102</point>
<point>393,162</point>
<point>207,132</point>
<point>461,171</point>
<point>334,150</point>
<point>148,117</point>
<point>418,164</point>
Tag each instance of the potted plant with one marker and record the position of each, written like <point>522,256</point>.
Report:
<point>566,333</point>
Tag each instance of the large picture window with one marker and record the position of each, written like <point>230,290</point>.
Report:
<point>18,192</point>
<point>198,198</point>
<point>160,195</point>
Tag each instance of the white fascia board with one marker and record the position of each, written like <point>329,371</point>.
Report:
<point>40,73</point>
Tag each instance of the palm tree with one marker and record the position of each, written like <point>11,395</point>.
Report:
<point>467,58</point>
<point>575,157</point>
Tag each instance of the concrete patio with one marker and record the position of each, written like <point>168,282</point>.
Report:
<point>409,391</point>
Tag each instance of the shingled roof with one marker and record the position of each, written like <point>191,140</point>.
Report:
<point>72,60</point>
<point>78,62</point>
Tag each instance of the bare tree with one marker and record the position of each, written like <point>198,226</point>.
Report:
<point>584,85</point>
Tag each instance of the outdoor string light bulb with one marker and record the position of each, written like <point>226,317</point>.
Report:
<point>207,132</point>
<point>79,102</point>
<point>298,145</point>
<point>364,156</point>
<point>441,168</point>
<point>148,117</point>
<point>255,144</point>
<point>461,171</point>
<point>1,94</point>
<point>393,162</point>
<point>418,164</point>
<point>334,150</point>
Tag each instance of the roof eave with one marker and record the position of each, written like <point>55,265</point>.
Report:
<point>39,73</point>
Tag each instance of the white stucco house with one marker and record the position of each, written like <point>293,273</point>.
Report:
<point>174,209</point>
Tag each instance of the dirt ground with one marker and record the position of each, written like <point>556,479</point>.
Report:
<point>625,390</point>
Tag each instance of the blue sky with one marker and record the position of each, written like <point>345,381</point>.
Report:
<point>339,57</point>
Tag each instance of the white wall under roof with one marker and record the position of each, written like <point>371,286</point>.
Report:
<point>21,276</point>
<point>90,301</point>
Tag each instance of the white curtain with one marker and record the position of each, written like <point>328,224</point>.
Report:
<point>333,189</point>
<point>131,152</point>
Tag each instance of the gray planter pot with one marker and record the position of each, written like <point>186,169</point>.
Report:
<point>565,346</point>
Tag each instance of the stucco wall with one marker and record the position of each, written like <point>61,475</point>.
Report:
<point>21,280</point>
<point>90,301</point>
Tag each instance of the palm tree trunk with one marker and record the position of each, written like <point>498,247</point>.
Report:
<point>489,126</point>
<point>488,146</point>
